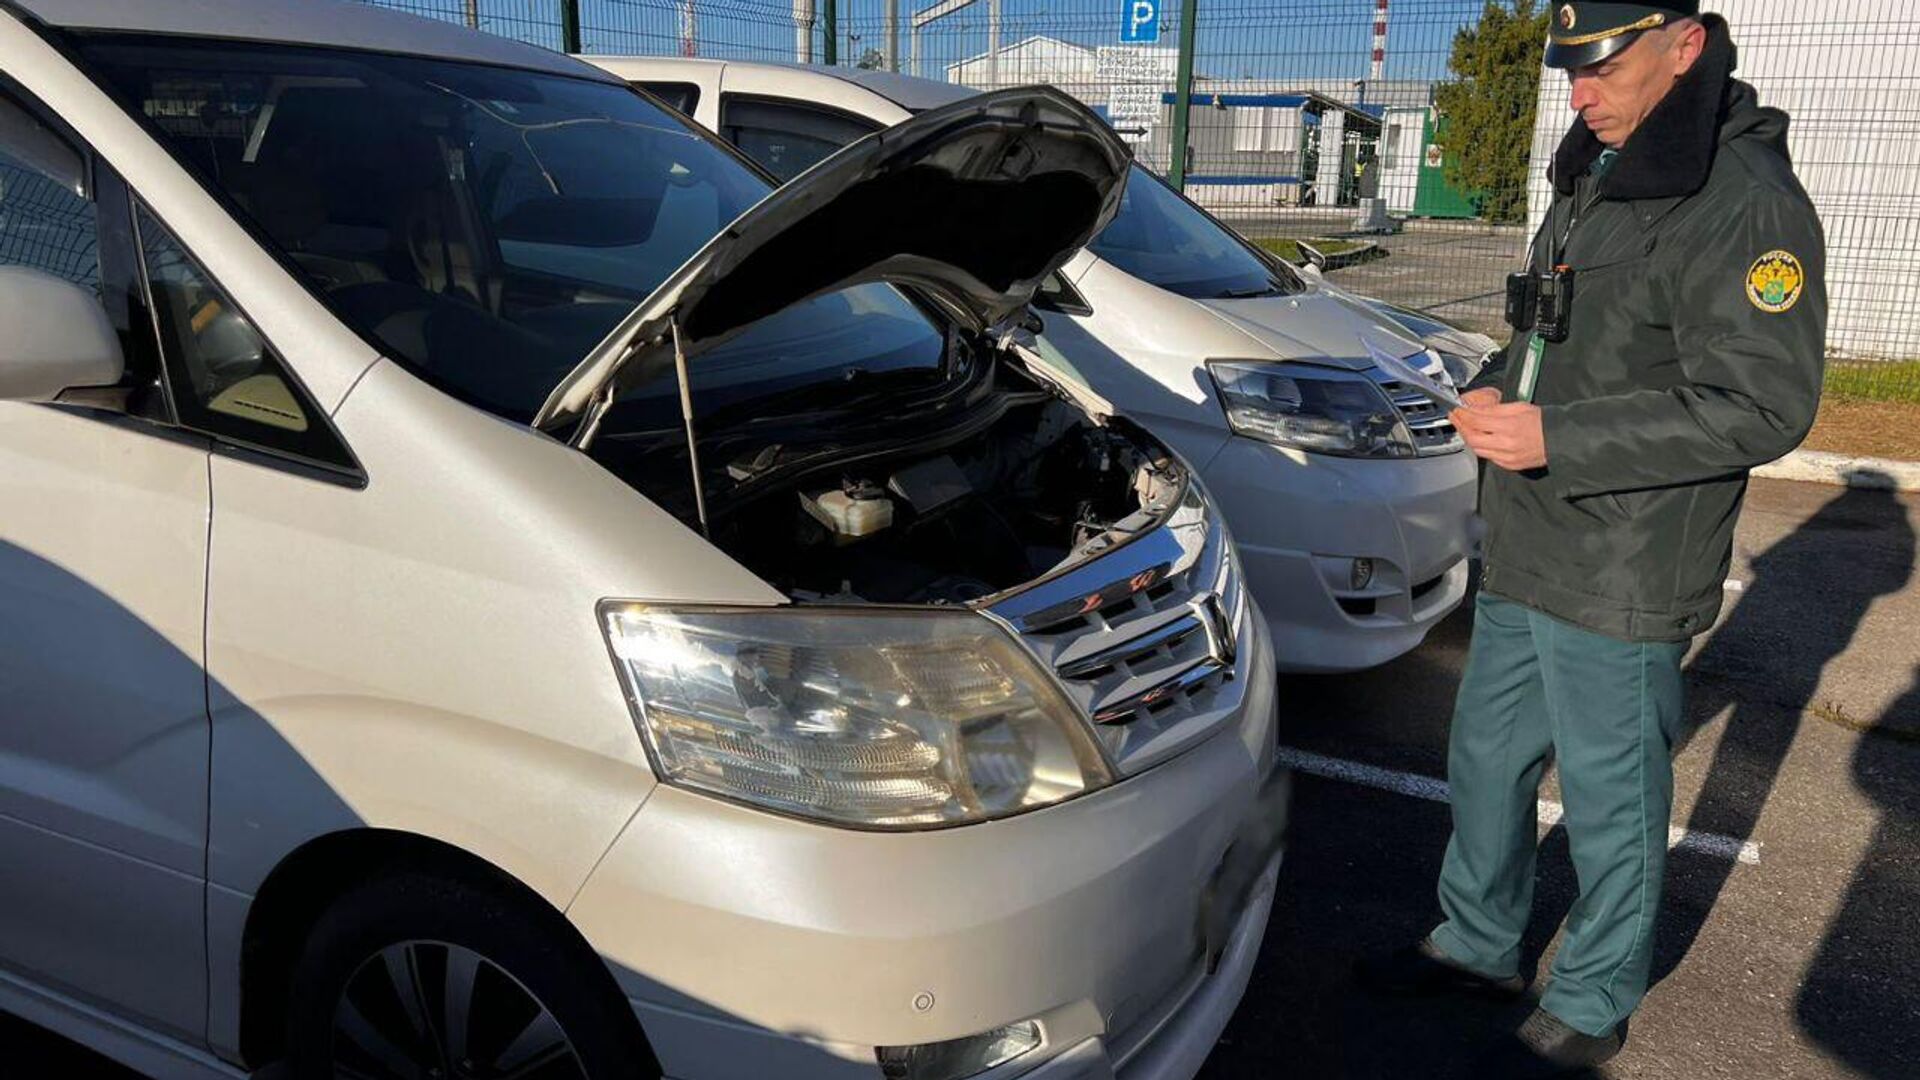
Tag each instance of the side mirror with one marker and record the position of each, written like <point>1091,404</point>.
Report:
<point>1314,256</point>
<point>1311,271</point>
<point>57,337</point>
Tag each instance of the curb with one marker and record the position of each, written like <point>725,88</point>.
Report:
<point>1367,251</point>
<point>1814,466</point>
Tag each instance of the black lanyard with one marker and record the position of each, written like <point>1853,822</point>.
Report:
<point>1559,250</point>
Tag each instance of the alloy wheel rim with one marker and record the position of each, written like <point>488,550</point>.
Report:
<point>431,1010</point>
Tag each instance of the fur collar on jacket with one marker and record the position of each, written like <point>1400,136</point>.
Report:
<point>1672,152</point>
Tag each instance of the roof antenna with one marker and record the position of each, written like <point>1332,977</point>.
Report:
<point>686,416</point>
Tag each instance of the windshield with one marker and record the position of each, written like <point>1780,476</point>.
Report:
<point>1165,240</point>
<point>489,226</point>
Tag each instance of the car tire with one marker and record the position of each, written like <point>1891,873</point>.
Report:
<point>417,976</point>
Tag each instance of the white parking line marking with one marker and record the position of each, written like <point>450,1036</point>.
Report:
<point>1426,787</point>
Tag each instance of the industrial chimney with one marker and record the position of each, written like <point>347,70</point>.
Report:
<point>1379,42</point>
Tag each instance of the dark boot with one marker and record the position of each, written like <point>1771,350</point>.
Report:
<point>1422,970</point>
<point>1545,1047</point>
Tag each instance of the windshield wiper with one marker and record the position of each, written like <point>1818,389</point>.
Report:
<point>1269,289</point>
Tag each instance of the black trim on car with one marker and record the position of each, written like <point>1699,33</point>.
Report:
<point>324,437</point>
<point>1057,294</point>
<point>677,94</point>
<point>748,97</point>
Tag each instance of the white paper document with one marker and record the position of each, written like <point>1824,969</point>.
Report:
<point>1403,371</point>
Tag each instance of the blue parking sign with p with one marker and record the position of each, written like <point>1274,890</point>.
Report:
<point>1140,21</point>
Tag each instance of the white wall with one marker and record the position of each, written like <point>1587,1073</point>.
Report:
<point>1848,73</point>
<point>1400,163</point>
<point>1333,136</point>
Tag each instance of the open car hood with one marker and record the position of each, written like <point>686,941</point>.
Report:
<point>973,203</point>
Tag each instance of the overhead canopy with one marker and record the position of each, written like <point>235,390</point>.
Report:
<point>1359,117</point>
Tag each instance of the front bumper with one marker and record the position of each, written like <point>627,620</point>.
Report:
<point>752,945</point>
<point>1300,519</point>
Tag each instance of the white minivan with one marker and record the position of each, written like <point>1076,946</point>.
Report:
<point>486,591</point>
<point>1349,492</point>
<point>1346,489</point>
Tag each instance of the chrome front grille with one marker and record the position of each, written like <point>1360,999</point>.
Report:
<point>1433,433</point>
<point>1146,638</point>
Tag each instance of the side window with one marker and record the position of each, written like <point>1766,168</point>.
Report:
<point>786,138</point>
<point>682,96</point>
<point>47,222</point>
<point>226,380</point>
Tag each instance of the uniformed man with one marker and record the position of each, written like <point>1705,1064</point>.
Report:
<point>1670,332</point>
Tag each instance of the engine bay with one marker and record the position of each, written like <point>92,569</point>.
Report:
<point>960,512</point>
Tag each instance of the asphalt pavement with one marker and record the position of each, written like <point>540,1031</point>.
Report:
<point>1788,945</point>
<point>1456,270</point>
<point>1803,963</point>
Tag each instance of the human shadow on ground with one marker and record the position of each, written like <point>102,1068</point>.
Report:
<point>1861,995</point>
<point>1807,598</point>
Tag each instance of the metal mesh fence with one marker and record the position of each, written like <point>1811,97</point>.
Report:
<point>537,22</point>
<point>47,227</point>
<point>1403,141</point>
<point>733,29</point>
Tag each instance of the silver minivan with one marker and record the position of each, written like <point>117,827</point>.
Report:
<point>487,591</point>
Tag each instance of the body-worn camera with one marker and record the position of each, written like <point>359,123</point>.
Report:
<point>1542,302</point>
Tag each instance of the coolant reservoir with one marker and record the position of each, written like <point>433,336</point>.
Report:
<point>851,512</point>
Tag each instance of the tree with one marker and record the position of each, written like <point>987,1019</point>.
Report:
<point>1489,106</point>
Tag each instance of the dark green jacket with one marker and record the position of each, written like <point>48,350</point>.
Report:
<point>1696,353</point>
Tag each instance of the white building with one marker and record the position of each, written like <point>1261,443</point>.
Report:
<point>1049,60</point>
<point>1402,149</point>
<point>1853,92</point>
<point>1252,142</point>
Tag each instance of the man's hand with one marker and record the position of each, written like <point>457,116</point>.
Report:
<point>1484,398</point>
<point>1509,436</point>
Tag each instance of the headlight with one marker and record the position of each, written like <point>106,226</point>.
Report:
<point>959,1058</point>
<point>1323,410</point>
<point>874,719</point>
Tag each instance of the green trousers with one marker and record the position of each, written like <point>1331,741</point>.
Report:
<point>1538,689</point>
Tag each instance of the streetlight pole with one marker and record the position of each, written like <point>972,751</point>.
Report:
<point>803,20</point>
<point>993,44</point>
<point>1183,96</point>
<point>893,35</point>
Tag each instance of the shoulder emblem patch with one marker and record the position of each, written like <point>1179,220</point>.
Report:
<point>1775,282</point>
